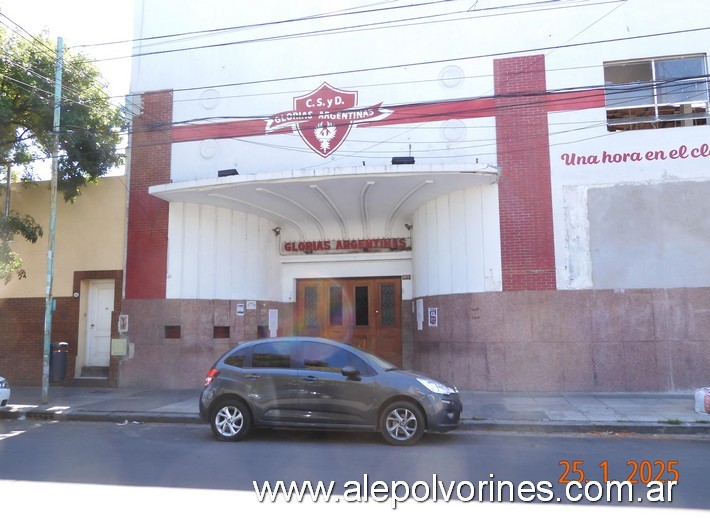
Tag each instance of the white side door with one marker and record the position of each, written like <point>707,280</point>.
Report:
<point>98,324</point>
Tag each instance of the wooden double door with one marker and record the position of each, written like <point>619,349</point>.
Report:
<point>362,312</point>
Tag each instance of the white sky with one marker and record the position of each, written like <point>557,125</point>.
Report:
<point>81,22</point>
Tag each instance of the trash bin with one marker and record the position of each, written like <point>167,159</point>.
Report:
<point>58,361</point>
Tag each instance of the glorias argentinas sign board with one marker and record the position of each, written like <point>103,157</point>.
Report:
<point>361,245</point>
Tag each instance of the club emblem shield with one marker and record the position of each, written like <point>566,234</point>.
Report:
<point>328,121</point>
<point>324,117</point>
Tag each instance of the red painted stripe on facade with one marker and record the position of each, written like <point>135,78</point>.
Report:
<point>221,130</point>
<point>576,101</point>
<point>438,111</point>
<point>403,114</point>
<point>524,186</point>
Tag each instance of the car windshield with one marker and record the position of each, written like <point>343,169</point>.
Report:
<point>377,361</point>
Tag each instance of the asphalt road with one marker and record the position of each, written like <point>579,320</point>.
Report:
<point>467,464</point>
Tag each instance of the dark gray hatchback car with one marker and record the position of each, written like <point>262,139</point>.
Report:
<point>314,383</point>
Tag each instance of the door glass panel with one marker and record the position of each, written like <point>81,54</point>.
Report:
<point>238,358</point>
<point>324,357</point>
<point>387,304</point>
<point>310,306</point>
<point>271,355</point>
<point>336,305</point>
<point>362,306</point>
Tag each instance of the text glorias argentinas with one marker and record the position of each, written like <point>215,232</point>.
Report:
<point>367,244</point>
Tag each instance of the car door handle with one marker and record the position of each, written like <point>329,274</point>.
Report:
<point>252,377</point>
<point>310,378</point>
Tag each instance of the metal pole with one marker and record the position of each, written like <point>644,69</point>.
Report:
<point>7,197</point>
<point>52,223</point>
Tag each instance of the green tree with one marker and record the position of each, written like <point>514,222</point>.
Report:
<point>88,139</point>
<point>11,225</point>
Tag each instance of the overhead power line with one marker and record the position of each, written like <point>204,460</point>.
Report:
<point>550,4</point>
<point>410,21</point>
<point>537,4</point>
<point>439,61</point>
<point>680,84</point>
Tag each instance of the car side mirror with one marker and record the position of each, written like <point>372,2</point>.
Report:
<point>351,373</point>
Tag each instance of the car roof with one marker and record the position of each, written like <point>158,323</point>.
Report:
<point>294,339</point>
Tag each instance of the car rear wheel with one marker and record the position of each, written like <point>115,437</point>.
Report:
<point>230,420</point>
<point>402,423</point>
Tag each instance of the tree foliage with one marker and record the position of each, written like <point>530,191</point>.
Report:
<point>88,137</point>
<point>11,225</point>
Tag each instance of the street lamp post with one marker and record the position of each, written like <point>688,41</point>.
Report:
<point>49,303</point>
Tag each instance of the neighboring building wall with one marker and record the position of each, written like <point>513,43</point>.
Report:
<point>89,244</point>
<point>98,216</point>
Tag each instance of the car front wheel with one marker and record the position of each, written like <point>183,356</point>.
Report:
<point>231,420</point>
<point>402,423</point>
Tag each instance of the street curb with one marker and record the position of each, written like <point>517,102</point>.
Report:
<point>111,417</point>
<point>130,417</point>
<point>542,427</point>
<point>552,427</point>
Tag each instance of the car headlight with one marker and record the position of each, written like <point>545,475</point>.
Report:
<point>3,384</point>
<point>437,387</point>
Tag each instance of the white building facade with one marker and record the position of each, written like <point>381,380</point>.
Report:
<point>510,195</point>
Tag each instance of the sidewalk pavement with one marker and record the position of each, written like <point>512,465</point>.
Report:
<point>655,413</point>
